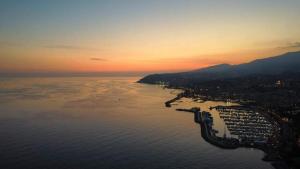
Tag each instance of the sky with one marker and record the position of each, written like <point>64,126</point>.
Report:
<point>143,35</point>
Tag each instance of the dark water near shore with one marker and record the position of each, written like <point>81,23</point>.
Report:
<point>105,122</point>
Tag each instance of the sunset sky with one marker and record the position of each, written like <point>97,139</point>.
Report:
<point>142,35</point>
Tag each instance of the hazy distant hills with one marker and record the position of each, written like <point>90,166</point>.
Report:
<point>286,63</point>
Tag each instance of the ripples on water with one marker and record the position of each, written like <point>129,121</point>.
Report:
<point>105,123</point>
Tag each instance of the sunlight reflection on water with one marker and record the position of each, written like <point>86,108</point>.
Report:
<point>104,122</point>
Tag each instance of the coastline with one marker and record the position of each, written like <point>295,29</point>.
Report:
<point>273,153</point>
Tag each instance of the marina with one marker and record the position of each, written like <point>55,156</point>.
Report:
<point>243,128</point>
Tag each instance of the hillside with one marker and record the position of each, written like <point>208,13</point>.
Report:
<point>276,65</point>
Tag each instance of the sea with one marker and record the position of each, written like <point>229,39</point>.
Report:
<point>109,123</point>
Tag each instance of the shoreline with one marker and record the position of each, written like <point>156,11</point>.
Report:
<point>272,154</point>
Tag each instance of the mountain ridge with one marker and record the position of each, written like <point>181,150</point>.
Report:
<point>288,62</point>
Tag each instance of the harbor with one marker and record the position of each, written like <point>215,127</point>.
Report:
<point>248,129</point>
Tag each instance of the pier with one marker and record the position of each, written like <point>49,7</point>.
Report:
<point>208,134</point>
<point>169,102</point>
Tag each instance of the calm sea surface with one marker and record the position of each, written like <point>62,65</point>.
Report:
<point>106,122</point>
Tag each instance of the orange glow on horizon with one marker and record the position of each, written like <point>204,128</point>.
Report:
<point>145,35</point>
<point>87,64</point>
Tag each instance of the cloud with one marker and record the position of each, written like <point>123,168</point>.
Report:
<point>98,59</point>
<point>55,46</point>
<point>8,43</point>
<point>68,47</point>
<point>290,45</point>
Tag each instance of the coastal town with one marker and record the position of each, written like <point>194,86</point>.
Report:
<point>265,117</point>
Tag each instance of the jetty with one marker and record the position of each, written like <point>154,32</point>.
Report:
<point>169,102</point>
<point>208,134</point>
<point>192,110</point>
